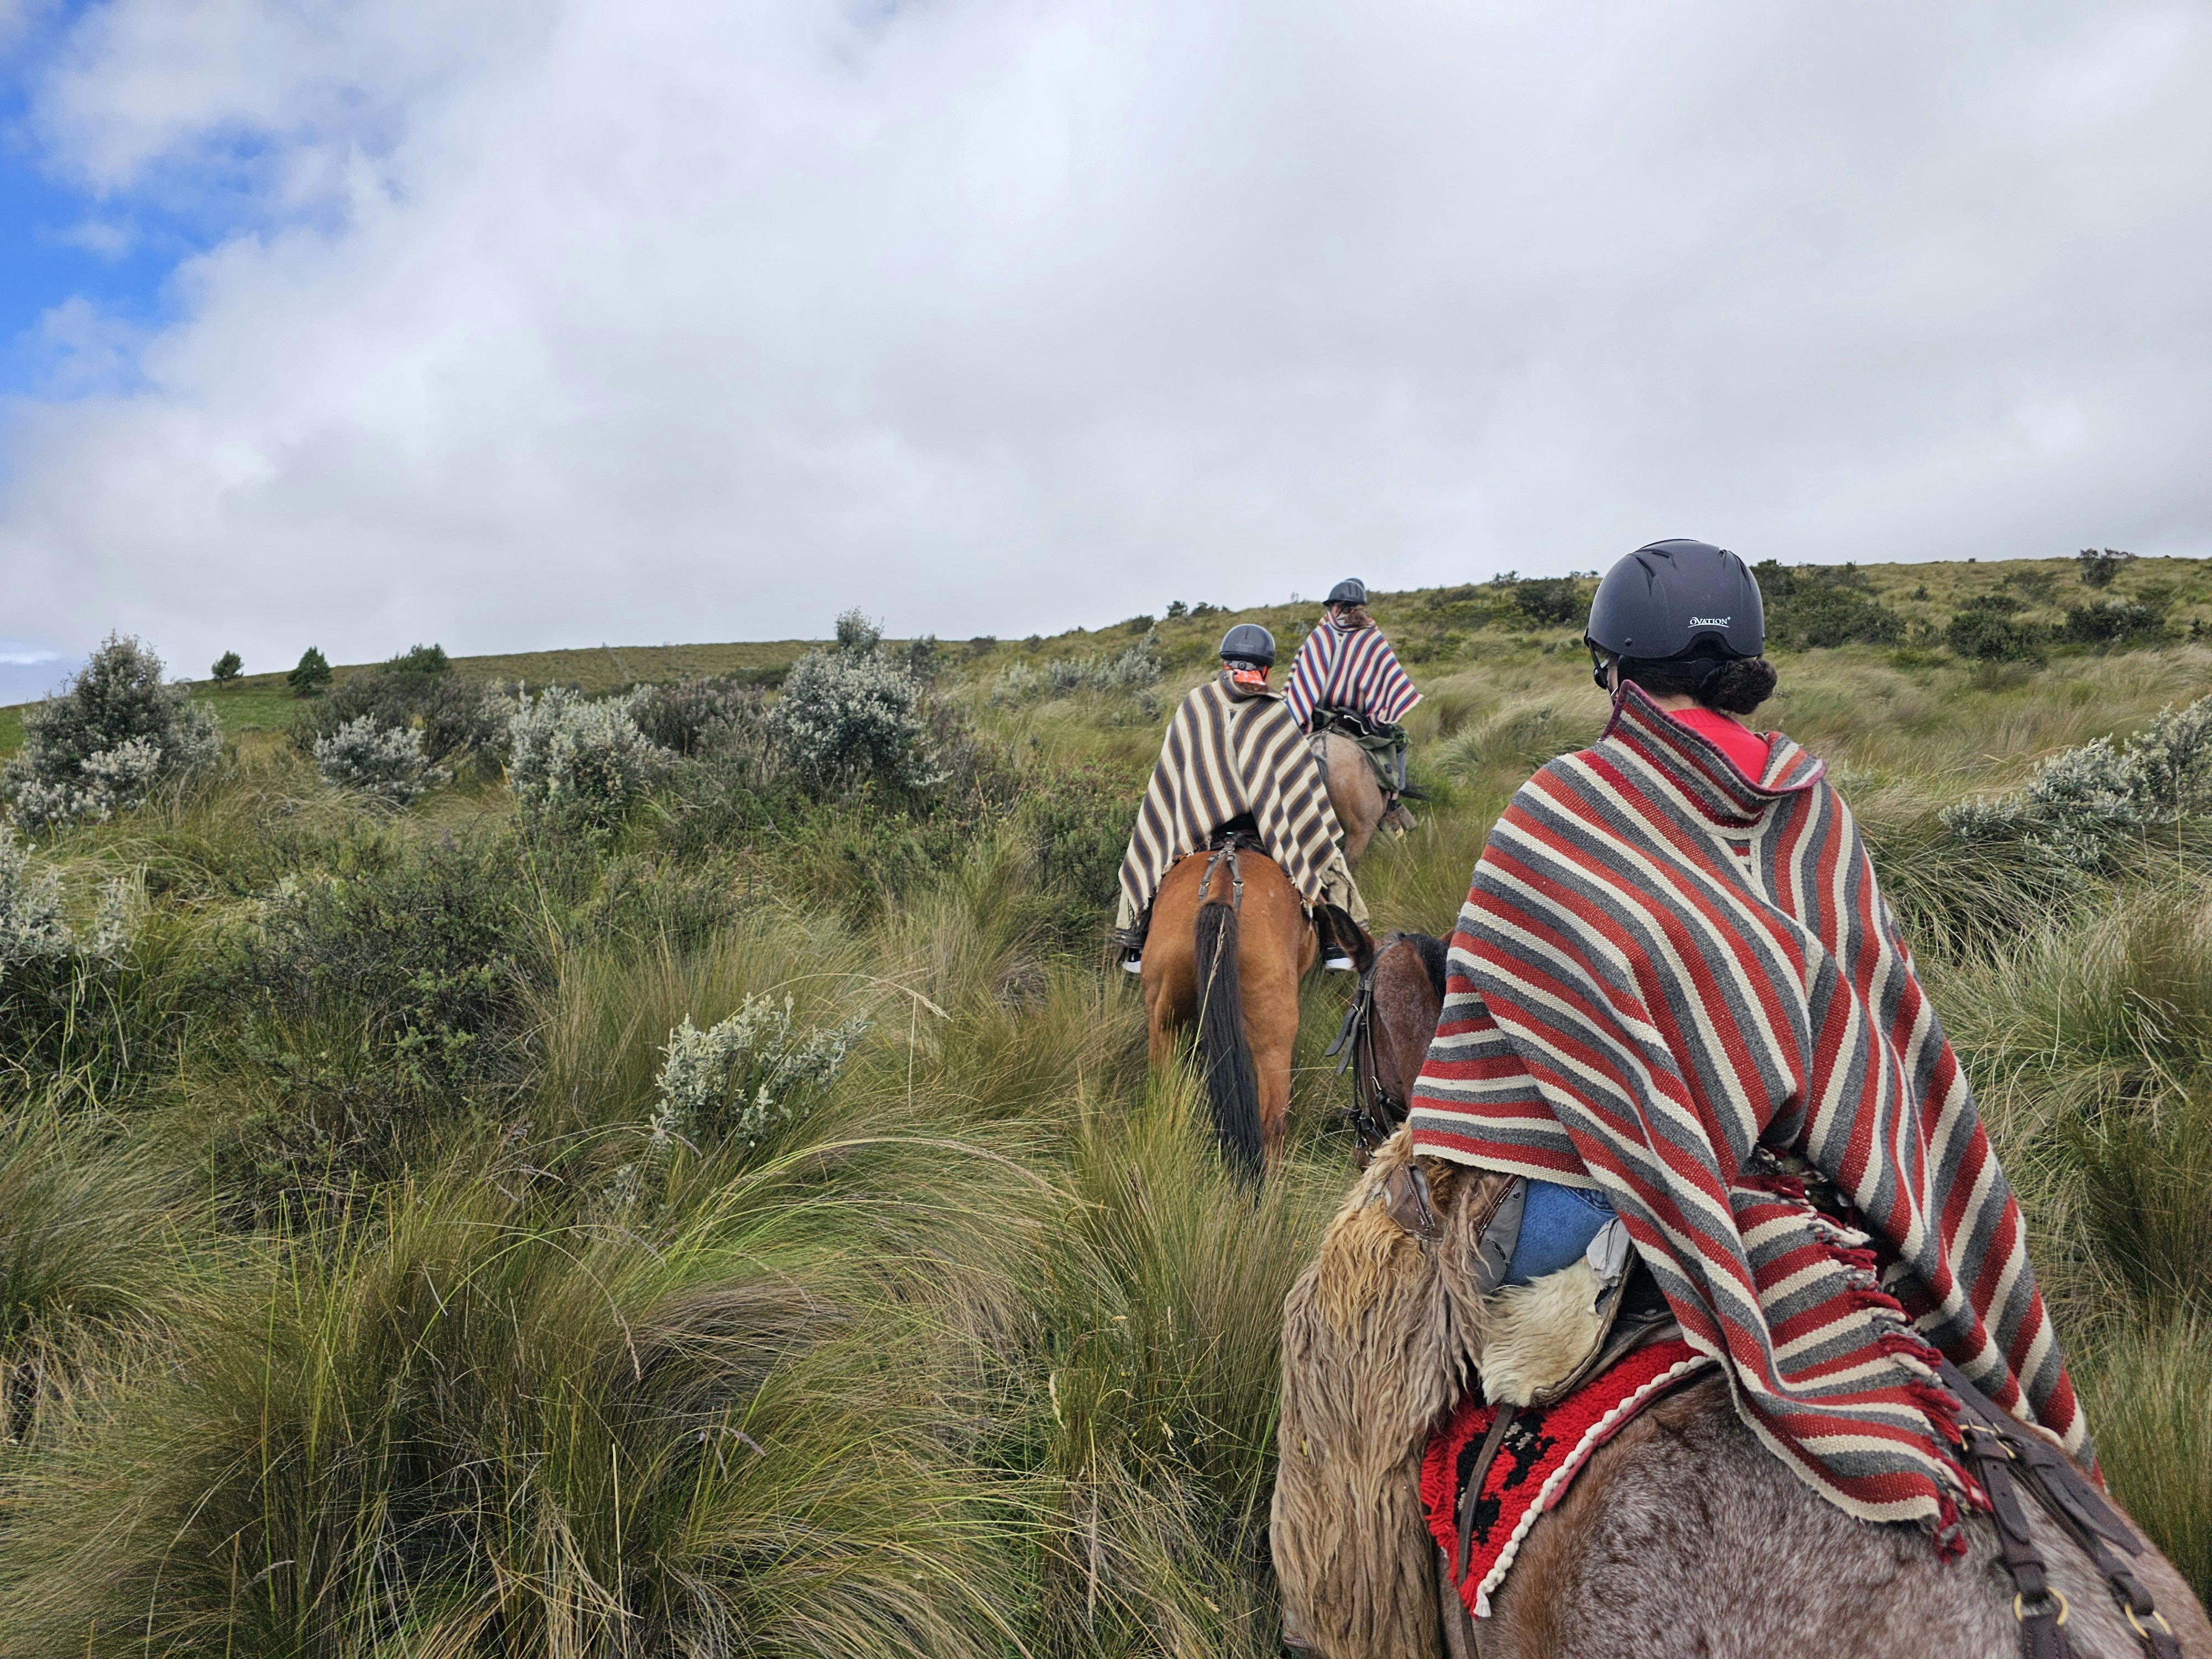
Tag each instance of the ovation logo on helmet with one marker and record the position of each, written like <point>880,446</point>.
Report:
<point>1709,622</point>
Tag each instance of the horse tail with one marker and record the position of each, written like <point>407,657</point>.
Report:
<point>1232,1086</point>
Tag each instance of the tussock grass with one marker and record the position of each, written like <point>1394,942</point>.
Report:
<point>468,1429</point>
<point>2149,1392</point>
<point>1161,1344</point>
<point>91,1263</point>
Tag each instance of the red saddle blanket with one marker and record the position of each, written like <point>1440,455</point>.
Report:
<point>1541,1454</point>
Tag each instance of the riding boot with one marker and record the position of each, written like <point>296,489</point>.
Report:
<point>1336,952</point>
<point>1129,945</point>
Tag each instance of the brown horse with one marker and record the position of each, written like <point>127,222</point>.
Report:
<point>1392,1019</point>
<point>1683,1536</point>
<point>1354,793</point>
<point>1230,957</point>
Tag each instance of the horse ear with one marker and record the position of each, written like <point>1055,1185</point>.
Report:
<point>1357,943</point>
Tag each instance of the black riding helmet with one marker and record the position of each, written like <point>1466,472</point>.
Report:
<point>1350,591</point>
<point>1675,601</point>
<point>1248,642</point>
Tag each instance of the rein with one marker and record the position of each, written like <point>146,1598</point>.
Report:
<point>1374,1116</point>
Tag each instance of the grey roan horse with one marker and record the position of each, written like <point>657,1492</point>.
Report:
<point>1682,1537</point>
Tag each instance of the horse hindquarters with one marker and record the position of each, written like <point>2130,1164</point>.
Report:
<point>1276,945</point>
<point>1684,1535</point>
<point>1353,794</point>
<point>1244,994</point>
<point>1408,997</point>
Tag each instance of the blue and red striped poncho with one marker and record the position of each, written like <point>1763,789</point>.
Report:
<point>1350,668</point>
<point>1668,981</point>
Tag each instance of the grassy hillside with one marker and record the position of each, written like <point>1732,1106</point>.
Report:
<point>1440,625</point>
<point>376,1278</point>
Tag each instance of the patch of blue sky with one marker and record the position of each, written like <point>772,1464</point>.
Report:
<point>29,672</point>
<point>72,259</point>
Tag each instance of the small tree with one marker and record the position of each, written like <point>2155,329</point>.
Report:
<point>311,676</point>
<point>428,659</point>
<point>2100,565</point>
<point>921,658</point>
<point>228,667</point>
<point>856,633</point>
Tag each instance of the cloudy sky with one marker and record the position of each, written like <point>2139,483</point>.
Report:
<point>525,323</point>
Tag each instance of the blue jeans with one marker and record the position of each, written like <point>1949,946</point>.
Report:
<point>1556,1225</point>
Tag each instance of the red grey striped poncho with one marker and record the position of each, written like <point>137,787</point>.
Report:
<point>1350,668</point>
<point>1665,974</point>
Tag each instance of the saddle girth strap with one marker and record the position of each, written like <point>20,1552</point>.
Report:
<point>2005,1456</point>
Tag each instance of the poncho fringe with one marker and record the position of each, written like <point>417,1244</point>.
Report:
<point>1669,979</point>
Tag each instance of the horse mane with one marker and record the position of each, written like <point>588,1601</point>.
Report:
<point>1433,953</point>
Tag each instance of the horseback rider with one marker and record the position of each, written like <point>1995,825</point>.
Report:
<point>1347,679</point>
<point>1235,761</point>
<point>1676,994</point>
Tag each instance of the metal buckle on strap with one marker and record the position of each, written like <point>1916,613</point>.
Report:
<point>2022,1613</point>
<point>2156,1618</point>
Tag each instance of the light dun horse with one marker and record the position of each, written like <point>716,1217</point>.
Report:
<point>1353,792</point>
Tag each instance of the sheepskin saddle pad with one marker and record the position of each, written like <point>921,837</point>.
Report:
<point>1544,1449</point>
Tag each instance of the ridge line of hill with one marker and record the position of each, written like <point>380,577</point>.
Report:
<point>1427,625</point>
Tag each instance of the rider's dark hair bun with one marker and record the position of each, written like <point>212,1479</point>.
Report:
<point>1741,687</point>
<point>1735,688</point>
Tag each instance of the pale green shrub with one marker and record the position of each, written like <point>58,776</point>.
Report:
<point>2080,804</point>
<point>851,715</point>
<point>748,1074</point>
<point>385,762</point>
<point>32,925</point>
<point>1134,670</point>
<point>737,1081</point>
<point>575,762</point>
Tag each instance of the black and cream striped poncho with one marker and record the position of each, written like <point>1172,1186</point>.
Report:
<point>1228,752</point>
<point>1670,981</point>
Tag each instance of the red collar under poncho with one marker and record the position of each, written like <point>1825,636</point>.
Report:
<point>1669,979</point>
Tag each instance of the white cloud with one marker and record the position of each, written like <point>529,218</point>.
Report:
<point>107,238</point>
<point>678,320</point>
